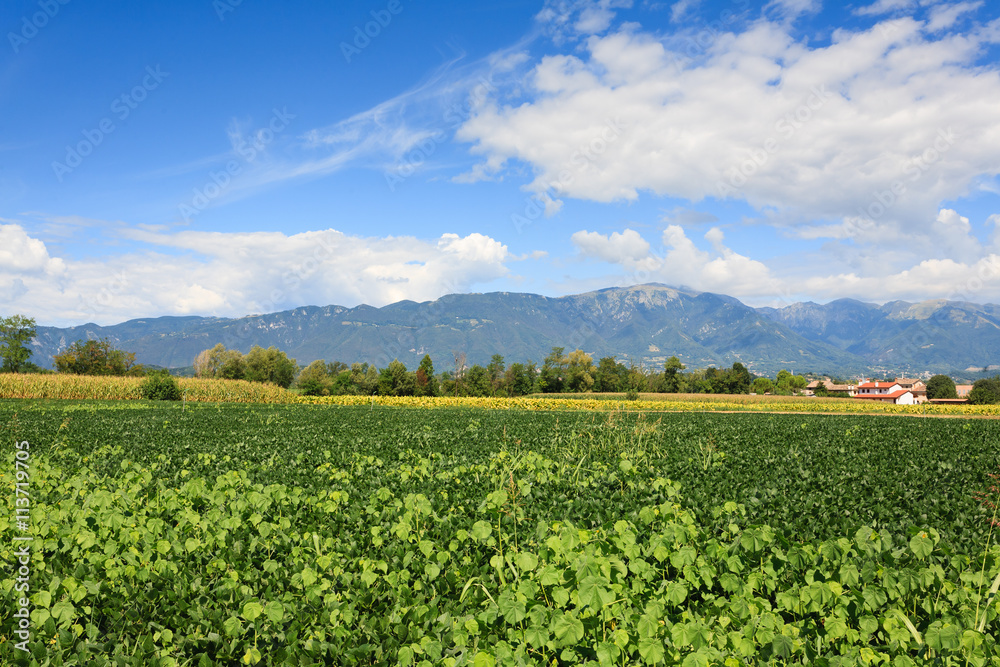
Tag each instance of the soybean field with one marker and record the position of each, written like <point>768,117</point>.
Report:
<point>224,534</point>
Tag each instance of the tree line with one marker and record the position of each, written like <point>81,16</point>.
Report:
<point>559,372</point>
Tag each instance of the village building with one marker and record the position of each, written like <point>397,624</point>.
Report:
<point>848,389</point>
<point>885,392</point>
<point>916,386</point>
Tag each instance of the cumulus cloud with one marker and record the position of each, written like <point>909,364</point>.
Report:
<point>803,134</point>
<point>976,281</point>
<point>233,274</point>
<point>951,220</point>
<point>680,262</point>
<point>21,253</point>
<point>618,248</point>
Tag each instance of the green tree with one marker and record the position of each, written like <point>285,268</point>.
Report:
<point>335,368</point>
<point>395,380</point>
<point>609,375</point>
<point>477,382</point>
<point>635,381</point>
<point>672,377</point>
<point>270,365</point>
<point>738,380</point>
<point>496,369</point>
<point>218,362</point>
<point>985,391</point>
<point>785,383</point>
<point>761,385</point>
<point>425,384</point>
<point>941,386</point>
<point>580,371</point>
<point>369,383</point>
<point>519,380</point>
<point>96,357</point>
<point>552,378</point>
<point>314,380</point>
<point>16,332</point>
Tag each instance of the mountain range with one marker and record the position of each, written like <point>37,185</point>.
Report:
<point>643,324</point>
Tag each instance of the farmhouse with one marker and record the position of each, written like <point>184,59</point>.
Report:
<point>848,389</point>
<point>916,386</point>
<point>885,392</point>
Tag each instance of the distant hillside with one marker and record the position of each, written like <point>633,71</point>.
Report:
<point>644,324</point>
<point>954,337</point>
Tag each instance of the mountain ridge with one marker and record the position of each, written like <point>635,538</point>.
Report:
<point>643,324</point>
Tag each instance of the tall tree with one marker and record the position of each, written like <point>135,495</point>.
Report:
<point>394,380</point>
<point>519,380</point>
<point>96,357</point>
<point>270,365</point>
<point>552,378</point>
<point>941,386</point>
<point>218,362</point>
<point>496,370</point>
<point>580,371</point>
<point>477,382</point>
<point>314,379</point>
<point>425,384</point>
<point>672,375</point>
<point>739,379</point>
<point>16,332</point>
<point>610,374</point>
<point>985,391</point>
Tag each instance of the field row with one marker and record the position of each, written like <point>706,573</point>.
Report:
<point>74,387</point>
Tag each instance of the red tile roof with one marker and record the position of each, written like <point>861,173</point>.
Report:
<point>895,394</point>
<point>876,385</point>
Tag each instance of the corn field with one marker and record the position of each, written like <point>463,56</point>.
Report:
<point>80,387</point>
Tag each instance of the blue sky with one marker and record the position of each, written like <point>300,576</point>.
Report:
<point>233,157</point>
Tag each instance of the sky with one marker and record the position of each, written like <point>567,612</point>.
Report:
<point>229,157</point>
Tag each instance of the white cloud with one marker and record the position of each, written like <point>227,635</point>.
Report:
<point>953,221</point>
<point>793,8</point>
<point>233,274</point>
<point>977,281</point>
<point>19,253</point>
<point>680,9</point>
<point>618,248</point>
<point>680,263</point>
<point>572,18</point>
<point>945,16</point>
<point>805,134</point>
<point>884,7</point>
